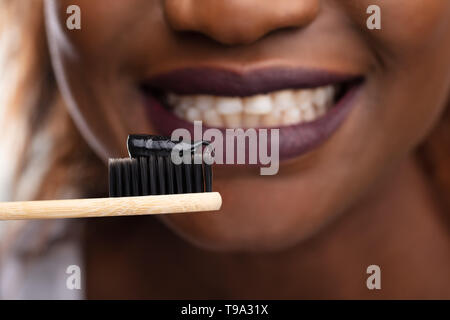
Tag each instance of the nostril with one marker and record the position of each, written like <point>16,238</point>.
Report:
<point>234,22</point>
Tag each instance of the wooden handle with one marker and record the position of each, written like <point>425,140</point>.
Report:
<point>108,207</point>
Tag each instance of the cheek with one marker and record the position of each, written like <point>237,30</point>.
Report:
<point>414,24</point>
<point>407,26</point>
<point>88,68</point>
<point>102,23</point>
<point>409,84</point>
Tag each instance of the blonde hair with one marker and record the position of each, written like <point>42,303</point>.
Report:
<point>43,154</point>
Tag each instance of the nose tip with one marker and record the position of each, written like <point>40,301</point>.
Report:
<point>234,22</point>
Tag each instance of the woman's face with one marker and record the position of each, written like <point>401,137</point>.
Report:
<point>204,47</point>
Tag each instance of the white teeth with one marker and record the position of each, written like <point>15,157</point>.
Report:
<point>309,114</point>
<point>229,105</point>
<point>280,108</point>
<point>232,120</point>
<point>331,92</point>
<point>272,119</point>
<point>306,105</point>
<point>260,104</point>
<point>283,100</point>
<point>323,95</point>
<point>305,96</point>
<point>193,114</point>
<point>186,102</point>
<point>204,102</point>
<point>292,116</point>
<point>180,112</point>
<point>212,118</point>
<point>305,99</point>
<point>250,120</point>
<point>320,96</point>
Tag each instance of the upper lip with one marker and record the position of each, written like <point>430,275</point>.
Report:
<point>225,82</point>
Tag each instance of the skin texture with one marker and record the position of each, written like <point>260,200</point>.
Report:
<point>358,199</point>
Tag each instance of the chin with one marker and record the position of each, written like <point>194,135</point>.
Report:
<point>210,231</point>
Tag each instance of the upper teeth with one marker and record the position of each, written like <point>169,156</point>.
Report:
<point>280,108</point>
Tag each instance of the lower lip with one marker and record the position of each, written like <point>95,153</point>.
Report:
<point>295,140</point>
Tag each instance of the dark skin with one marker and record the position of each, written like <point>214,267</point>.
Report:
<point>367,200</point>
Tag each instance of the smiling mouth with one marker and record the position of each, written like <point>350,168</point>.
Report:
<point>307,106</point>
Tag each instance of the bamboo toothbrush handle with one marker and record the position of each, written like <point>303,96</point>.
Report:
<point>108,207</point>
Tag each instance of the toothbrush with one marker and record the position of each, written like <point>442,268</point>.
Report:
<point>146,183</point>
